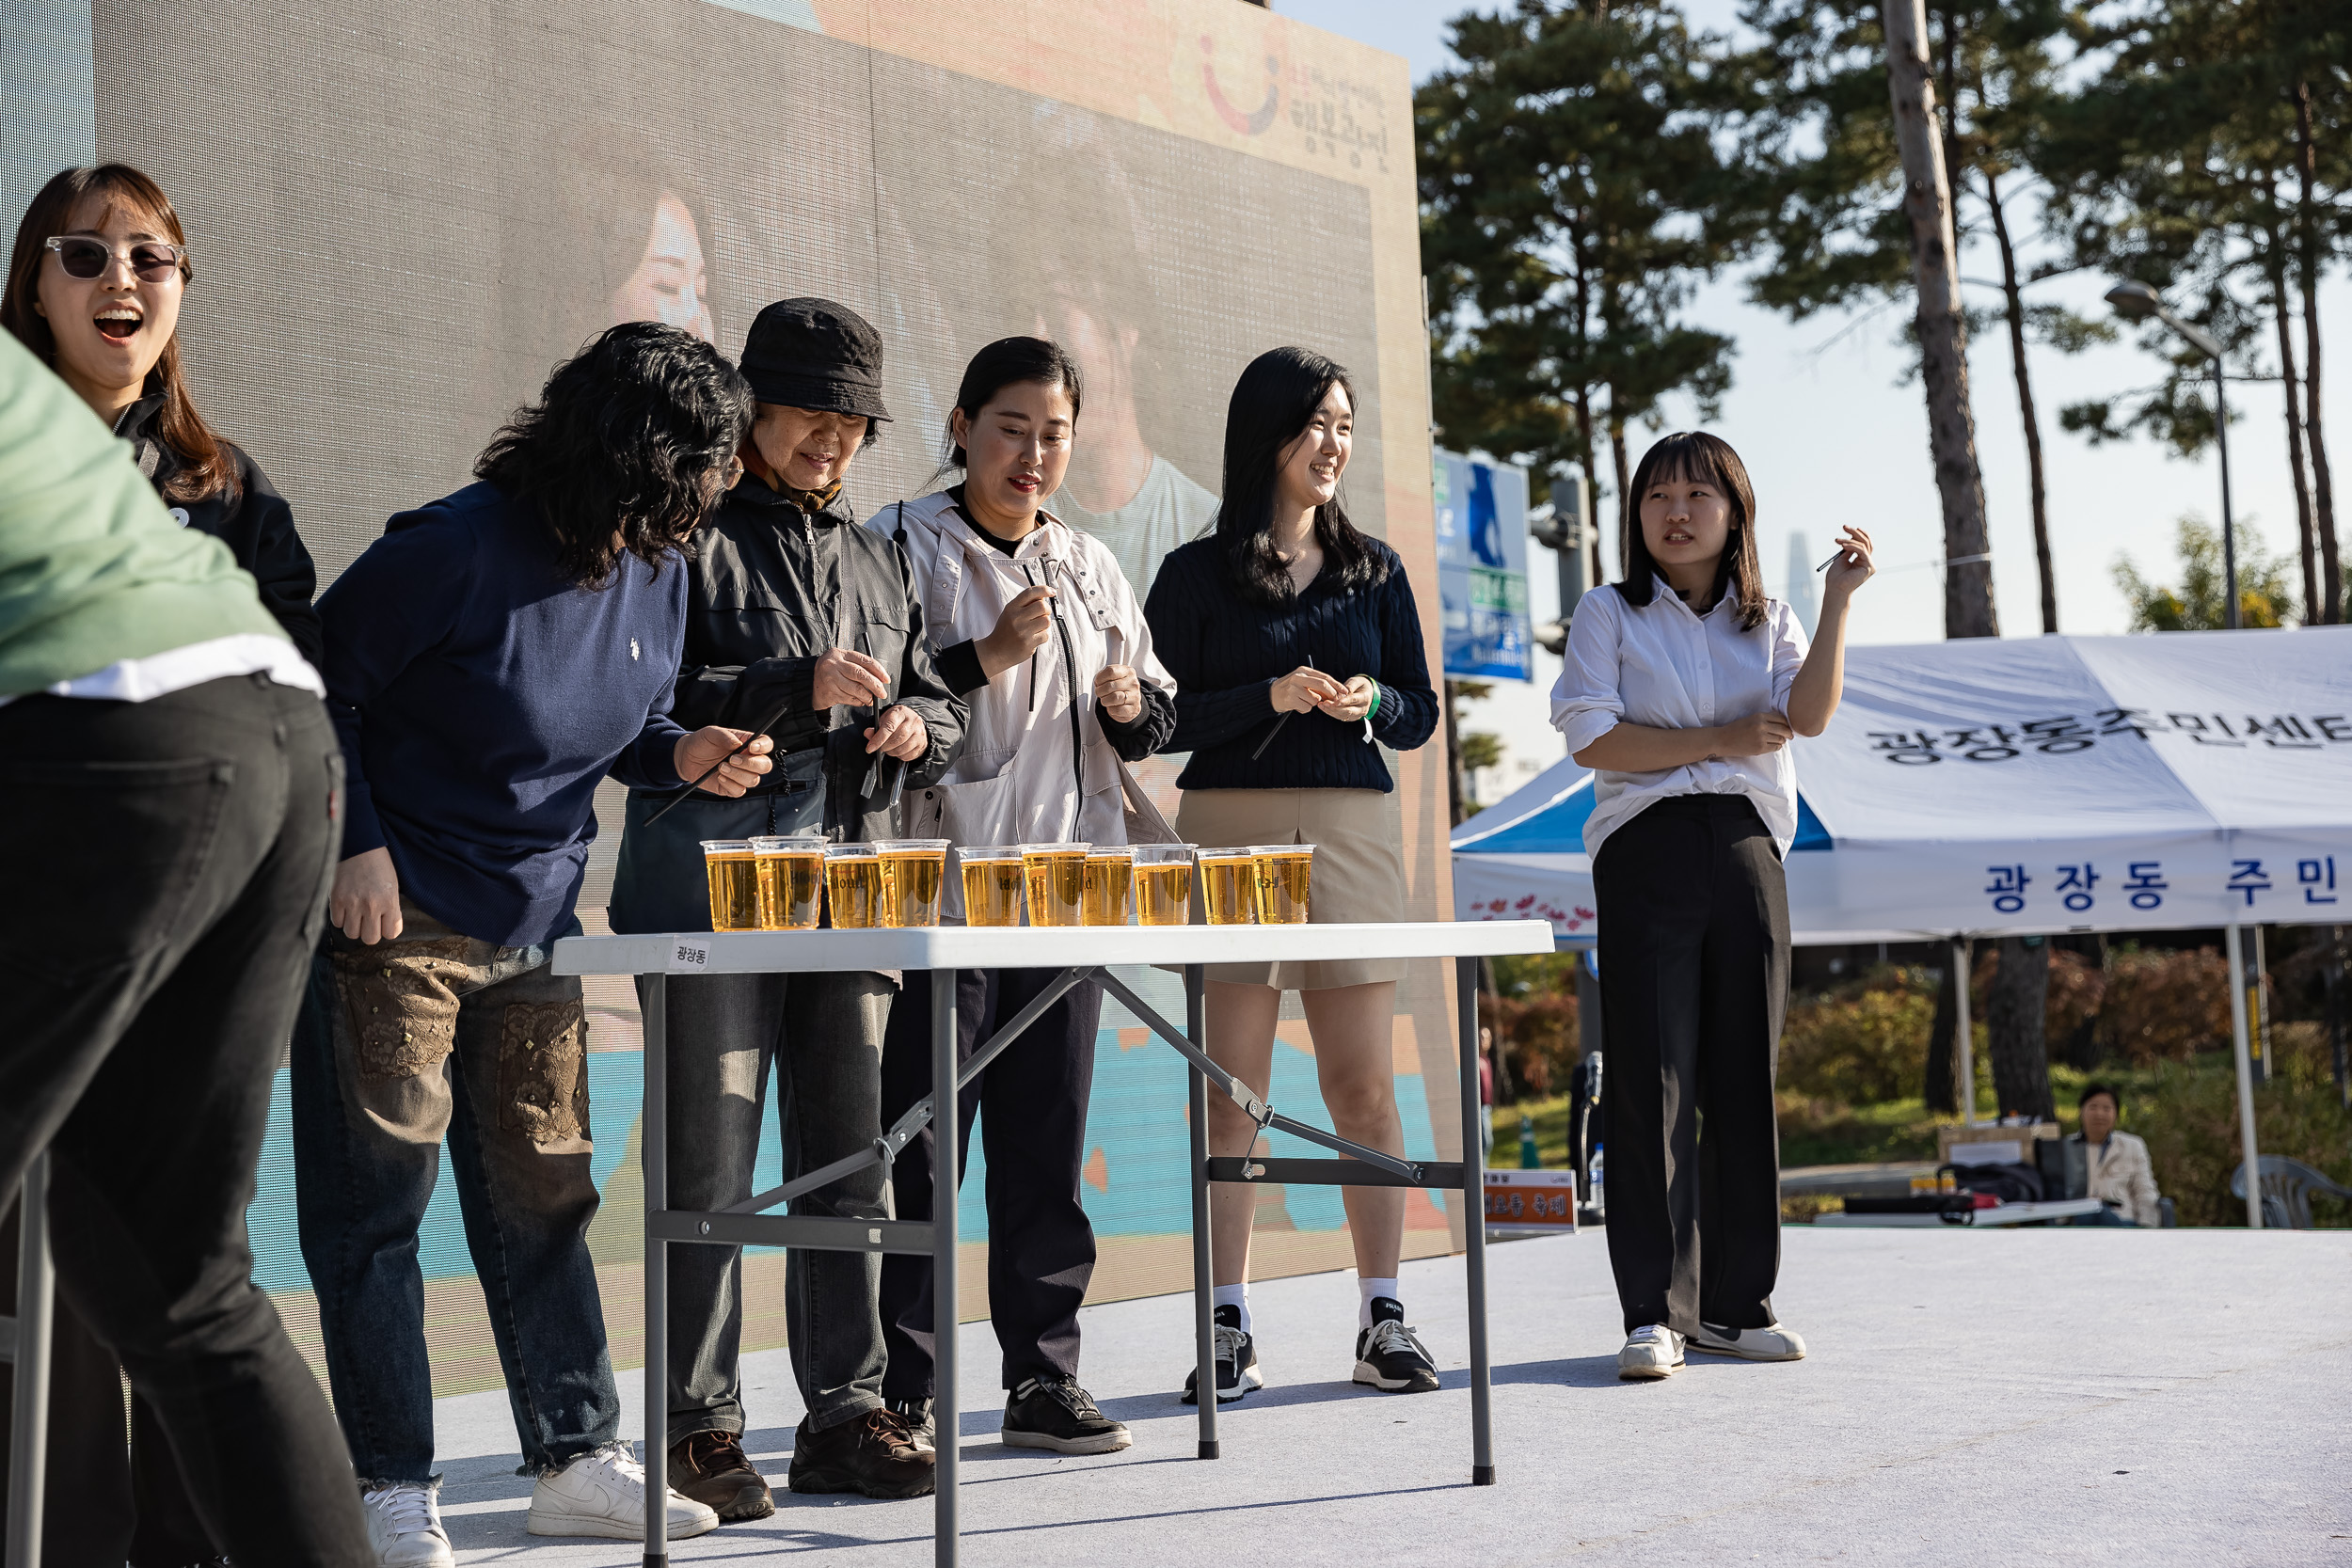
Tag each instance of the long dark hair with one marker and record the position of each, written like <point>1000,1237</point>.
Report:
<point>1693,457</point>
<point>206,466</point>
<point>633,435</point>
<point>1008,362</point>
<point>1274,402</point>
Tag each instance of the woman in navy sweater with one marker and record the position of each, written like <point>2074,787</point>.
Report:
<point>1296,646</point>
<point>489,659</point>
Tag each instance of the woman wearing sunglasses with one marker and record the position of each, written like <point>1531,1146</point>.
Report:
<point>94,290</point>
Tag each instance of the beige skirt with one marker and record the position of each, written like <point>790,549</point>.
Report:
<point>1357,874</point>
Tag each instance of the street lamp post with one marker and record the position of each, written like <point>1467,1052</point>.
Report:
<point>2138,302</point>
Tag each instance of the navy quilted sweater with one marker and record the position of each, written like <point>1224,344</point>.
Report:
<point>1227,652</point>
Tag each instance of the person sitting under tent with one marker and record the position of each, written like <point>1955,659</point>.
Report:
<point>2121,1175</point>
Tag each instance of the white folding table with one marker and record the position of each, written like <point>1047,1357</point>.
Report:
<point>1080,953</point>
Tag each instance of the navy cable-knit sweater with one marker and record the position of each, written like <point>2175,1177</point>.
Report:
<point>1227,652</point>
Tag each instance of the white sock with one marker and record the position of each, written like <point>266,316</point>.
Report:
<point>1236,1296</point>
<point>1366,1289</point>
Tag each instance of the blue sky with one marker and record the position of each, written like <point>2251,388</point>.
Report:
<point>1831,435</point>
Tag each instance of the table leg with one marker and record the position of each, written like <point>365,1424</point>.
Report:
<point>945,1125</point>
<point>1474,1232</point>
<point>28,1435</point>
<point>656,1143</point>
<point>1203,1268</point>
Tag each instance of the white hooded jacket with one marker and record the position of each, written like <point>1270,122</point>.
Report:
<point>1037,765</point>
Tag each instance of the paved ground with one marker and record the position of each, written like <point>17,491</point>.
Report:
<point>1973,1398</point>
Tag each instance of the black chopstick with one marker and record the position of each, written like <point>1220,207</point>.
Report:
<point>765,724</point>
<point>1279,720</point>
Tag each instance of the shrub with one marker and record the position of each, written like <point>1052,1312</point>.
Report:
<point>1862,1043</point>
<point>2164,1007</point>
<point>1538,1036</point>
<point>2189,1117</point>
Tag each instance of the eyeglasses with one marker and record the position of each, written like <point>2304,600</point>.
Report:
<point>152,261</point>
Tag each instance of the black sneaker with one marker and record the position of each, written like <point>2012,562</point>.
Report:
<point>1237,1361</point>
<point>1390,1356</point>
<point>920,1424</point>
<point>1054,1413</point>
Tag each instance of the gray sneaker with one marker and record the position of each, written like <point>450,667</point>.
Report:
<point>1769,1343</point>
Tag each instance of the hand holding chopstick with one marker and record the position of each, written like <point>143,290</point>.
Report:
<point>739,760</point>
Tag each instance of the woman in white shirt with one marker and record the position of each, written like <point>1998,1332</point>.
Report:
<point>1682,686</point>
<point>2120,1175</point>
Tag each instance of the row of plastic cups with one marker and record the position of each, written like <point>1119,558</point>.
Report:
<point>774,884</point>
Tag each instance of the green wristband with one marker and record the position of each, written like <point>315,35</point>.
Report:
<point>1375,702</point>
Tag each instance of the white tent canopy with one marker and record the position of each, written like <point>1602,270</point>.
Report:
<point>2051,783</point>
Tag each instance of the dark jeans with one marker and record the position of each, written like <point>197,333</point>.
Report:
<point>165,867</point>
<point>1040,1245</point>
<point>433,1036</point>
<point>821,1035</point>
<point>1693,983</point>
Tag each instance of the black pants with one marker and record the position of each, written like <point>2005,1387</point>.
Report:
<point>165,867</point>
<point>1040,1245</point>
<point>1694,984</point>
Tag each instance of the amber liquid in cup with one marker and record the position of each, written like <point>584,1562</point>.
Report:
<point>790,885</point>
<point>1230,884</point>
<point>1163,893</point>
<point>733,889</point>
<point>1282,875</point>
<point>853,888</point>
<point>991,893</point>
<point>1106,890</point>
<point>1057,883</point>
<point>911,882</point>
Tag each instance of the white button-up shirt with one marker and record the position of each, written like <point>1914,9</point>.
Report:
<point>1669,668</point>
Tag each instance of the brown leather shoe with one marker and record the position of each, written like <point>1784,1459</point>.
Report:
<point>711,1468</point>
<point>874,1455</point>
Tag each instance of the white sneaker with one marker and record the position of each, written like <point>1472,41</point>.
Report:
<point>604,1493</point>
<point>1651,1351</point>
<point>1771,1343</point>
<point>405,1526</point>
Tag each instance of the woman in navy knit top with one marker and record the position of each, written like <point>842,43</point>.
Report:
<point>1296,647</point>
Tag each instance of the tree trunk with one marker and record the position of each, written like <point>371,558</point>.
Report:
<point>1943,330</point>
<point>1454,791</point>
<point>2015,1028</point>
<point>1941,1090</point>
<point>2323,488</point>
<point>2016,303</point>
<point>1628,516</point>
<point>2275,270</point>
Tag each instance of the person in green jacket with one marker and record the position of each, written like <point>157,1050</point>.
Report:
<point>170,789</point>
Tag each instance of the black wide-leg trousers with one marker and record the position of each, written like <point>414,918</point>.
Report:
<point>1694,984</point>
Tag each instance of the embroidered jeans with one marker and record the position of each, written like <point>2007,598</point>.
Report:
<point>432,1037</point>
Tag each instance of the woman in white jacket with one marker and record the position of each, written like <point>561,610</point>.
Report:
<point>1039,633</point>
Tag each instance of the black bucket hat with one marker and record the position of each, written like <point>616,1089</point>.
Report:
<point>815,355</point>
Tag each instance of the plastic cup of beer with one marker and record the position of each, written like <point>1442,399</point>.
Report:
<point>1056,878</point>
<point>1283,875</point>
<point>1163,884</point>
<point>913,871</point>
<point>791,880</point>
<point>1229,886</point>
<point>733,884</point>
<point>992,883</point>
<point>852,885</point>
<point>1106,890</point>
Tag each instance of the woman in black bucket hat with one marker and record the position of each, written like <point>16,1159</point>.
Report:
<point>791,607</point>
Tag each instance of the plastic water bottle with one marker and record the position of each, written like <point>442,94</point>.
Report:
<point>1600,1202</point>
<point>1529,1158</point>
